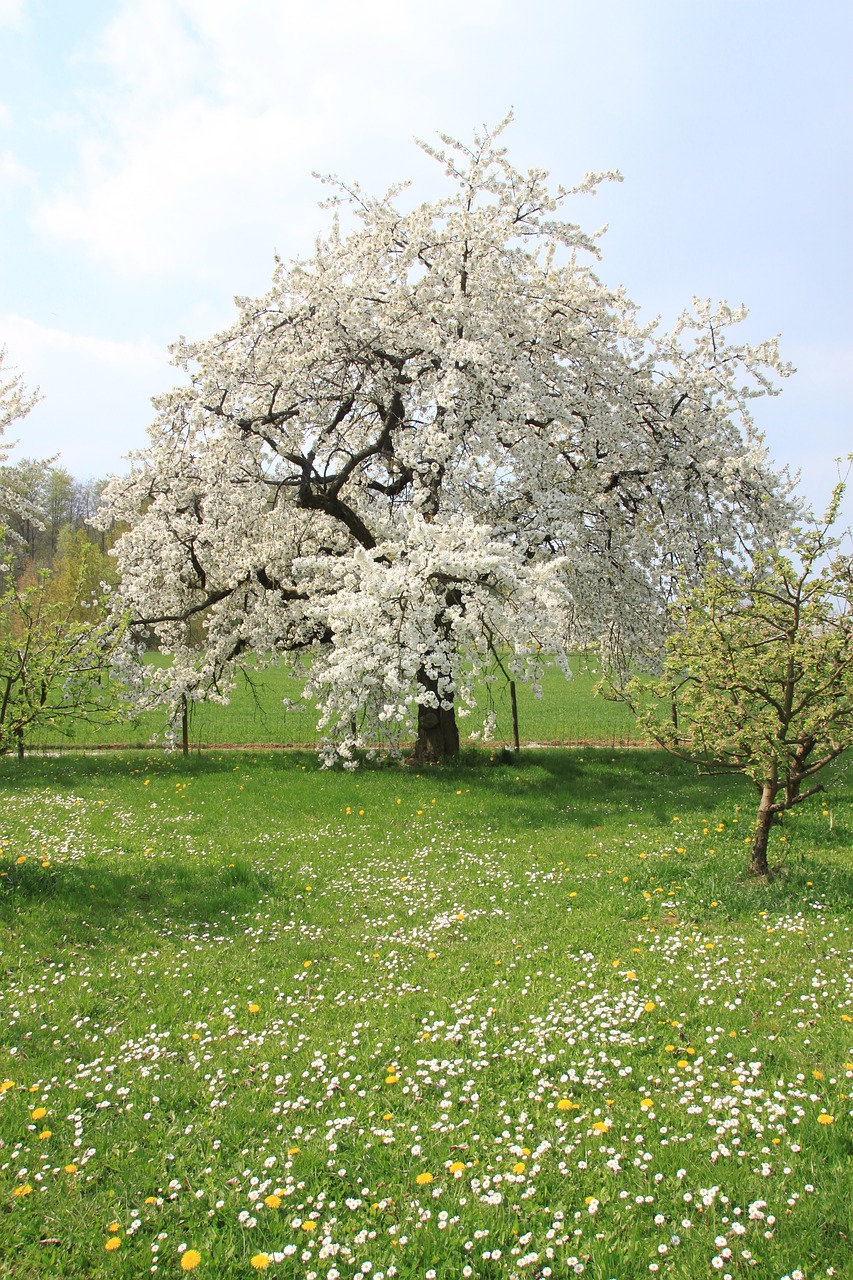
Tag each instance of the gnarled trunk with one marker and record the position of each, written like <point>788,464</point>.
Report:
<point>438,733</point>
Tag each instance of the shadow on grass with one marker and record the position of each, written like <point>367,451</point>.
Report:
<point>540,791</point>
<point>79,903</point>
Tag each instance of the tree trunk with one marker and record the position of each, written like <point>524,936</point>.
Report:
<point>19,734</point>
<point>438,734</point>
<point>516,741</point>
<point>764,819</point>
<point>185,725</point>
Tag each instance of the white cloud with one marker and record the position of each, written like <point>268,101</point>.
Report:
<point>11,13</point>
<point>95,393</point>
<point>12,172</point>
<point>211,117</point>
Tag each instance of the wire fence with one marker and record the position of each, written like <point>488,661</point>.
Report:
<point>265,710</point>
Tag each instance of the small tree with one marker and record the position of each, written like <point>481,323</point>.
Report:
<point>758,673</point>
<point>54,656</point>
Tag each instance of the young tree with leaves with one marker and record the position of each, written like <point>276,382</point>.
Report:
<point>758,673</point>
<point>439,435</point>
<point>56,656</point>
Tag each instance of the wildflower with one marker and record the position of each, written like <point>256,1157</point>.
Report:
<point>112,1244</point>
<point>24,1190</point>
<point>646,1103</point>
<point>566,1104</point>
<point>519,1167</point>
<point>38,1112</point>
<point>45,1133</point>
<point>254,1008</point>
<point>71,1168</point>
<point>823,1118</point>
<point>260,1261</point>
<point>114,1227</point>
<point>649,1006</point>
<point>457,1167</point>
<point>423,1179</point>
<point>309,1226</point>
<point>190,1260</point>
<point>272,1201</point>
<point>6,1084</point>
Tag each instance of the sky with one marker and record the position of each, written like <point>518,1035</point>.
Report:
<point>156,154</point>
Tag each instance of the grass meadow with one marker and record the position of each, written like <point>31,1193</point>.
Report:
<point>567,711</point>
<point>501,1019</point>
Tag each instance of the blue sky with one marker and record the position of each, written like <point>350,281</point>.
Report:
<point>155,154</point>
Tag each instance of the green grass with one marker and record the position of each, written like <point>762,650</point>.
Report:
<point>568,711</point>
<point>545,984</point>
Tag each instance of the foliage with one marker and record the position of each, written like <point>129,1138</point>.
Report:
<point>250,995</point>
<point>57,644</point>
<point>759,672</point>
<point>441,434</point>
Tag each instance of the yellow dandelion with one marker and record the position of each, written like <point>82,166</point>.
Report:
<point>845,1017</point>
<point>823,1118</point>
<point>389,1115</point>
<point>818,1075</point>
<point>309,1225</point>
<point>293,1151</point>
<point>566,1104</point>
<point>6,1084</point>
<point>260,1261</point>
<point>457,1167</point>
<point>150,1199</point>
<point>112,1244</point>
<point>24,1190</point>
<point>519,1167</point>
<point>392,1079</point>
<point>45,1133</point>
<point>272,1202</point>
<point>669,1048</point>
<point>190,1260</point>
<point>114,1227</point>
<point>682,1062</point>
<point>20,861</point>
<point>71,1168</point>
<point>423,1179</point>
<point>254,1008</point>
<point>649,1006</point>
<point>600,1126</point>
<point>431,955</point>
<point>646,1103</point>
<point>38,1113</point>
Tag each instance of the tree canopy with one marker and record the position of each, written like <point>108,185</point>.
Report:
<point>439,436</point>
<point>758,673</point>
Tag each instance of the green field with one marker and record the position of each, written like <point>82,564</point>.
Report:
<point>495,1020</point>
<point>568,711</point>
